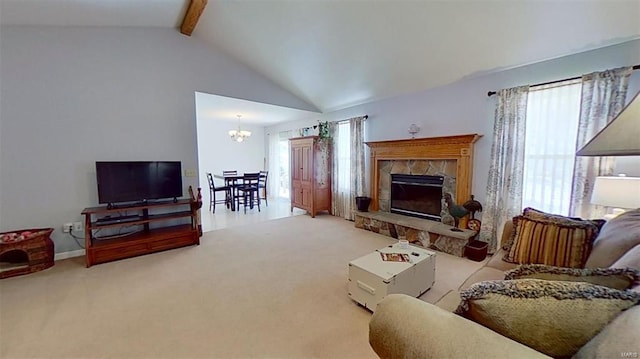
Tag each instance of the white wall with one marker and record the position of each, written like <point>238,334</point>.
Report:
<point>217,153</point>
<point>73,96</point>
<point>464,107</point>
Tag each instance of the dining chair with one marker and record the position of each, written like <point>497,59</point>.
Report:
<point>212,194</point>
<point>248,192</point>
<point>232,182</point>
<point>262,184</point>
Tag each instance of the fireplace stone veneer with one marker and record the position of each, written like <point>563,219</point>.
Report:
<point>450,157</point>
<point>444,168</point>
<point>429,234</point>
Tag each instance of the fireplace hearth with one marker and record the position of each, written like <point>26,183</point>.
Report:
<point>449,158</point>
<point>417,195</point>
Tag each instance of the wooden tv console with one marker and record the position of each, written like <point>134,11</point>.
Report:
<point>157,232</point>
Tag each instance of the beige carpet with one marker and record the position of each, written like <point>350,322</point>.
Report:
<point>276,289</point>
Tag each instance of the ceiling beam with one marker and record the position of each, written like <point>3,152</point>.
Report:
<point>196,7</point>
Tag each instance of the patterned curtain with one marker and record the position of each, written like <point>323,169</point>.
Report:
<point>347,175</point>
<point>504,183</point>
<point>340,191</point>
<point>603,97</point>
<point>356,125</point>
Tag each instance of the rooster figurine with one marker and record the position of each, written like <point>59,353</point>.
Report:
<point>472,206</point>
<point>457,211</point>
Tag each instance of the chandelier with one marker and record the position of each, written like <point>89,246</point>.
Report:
<point>239,135</point>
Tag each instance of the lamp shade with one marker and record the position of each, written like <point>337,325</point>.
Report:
<point>621,192</point>
<point>621,136</point>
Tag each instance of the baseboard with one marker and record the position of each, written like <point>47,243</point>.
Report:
<point>70,254</point>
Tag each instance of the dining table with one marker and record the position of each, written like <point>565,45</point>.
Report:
<point>231,181</point>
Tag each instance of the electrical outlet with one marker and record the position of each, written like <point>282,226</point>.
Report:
<point>77,226</point>
<point>67,227</point>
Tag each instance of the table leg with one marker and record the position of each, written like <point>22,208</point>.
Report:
<point>233,198</point>
<point>232,190</point>
<point>232,193</point>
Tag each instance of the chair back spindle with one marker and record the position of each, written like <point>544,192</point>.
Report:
<point>262,184</point>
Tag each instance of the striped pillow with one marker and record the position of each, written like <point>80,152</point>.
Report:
<point>551,243</point>
<point>532,213</point>
<point>536,214</point>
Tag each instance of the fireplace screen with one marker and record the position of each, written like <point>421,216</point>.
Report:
<point>416,195</point>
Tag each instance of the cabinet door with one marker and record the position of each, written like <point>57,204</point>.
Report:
<point>296,163</point>
<point>307,197</point>
<point>297,195</point>
<point>307,175</point>
<point>296,175</point>
<point>307,163</point>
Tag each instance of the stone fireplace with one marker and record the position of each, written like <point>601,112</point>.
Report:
<point>448,158</point>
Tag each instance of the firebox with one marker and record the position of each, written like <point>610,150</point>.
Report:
<point>417,195</point>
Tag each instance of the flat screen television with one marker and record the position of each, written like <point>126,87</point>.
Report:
<point>138,181</point>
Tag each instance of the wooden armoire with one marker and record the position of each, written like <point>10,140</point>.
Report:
<point>310,160</point>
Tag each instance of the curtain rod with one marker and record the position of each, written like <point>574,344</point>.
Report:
<point>491,93</point>
<point>347,120</point>
<point>341,121</point>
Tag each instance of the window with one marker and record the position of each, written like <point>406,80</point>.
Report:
<point>279,179</point>
<point>553,112</point>
<point>343,156</point>
<point>283,179</point>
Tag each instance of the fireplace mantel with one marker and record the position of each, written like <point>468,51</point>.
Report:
<point>453,148</point>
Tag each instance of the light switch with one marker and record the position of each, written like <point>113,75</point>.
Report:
<point>189,173</point>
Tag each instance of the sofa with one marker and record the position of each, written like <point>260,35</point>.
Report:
<point>407,327</point>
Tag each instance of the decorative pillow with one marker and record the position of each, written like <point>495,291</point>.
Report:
<point>616,278</point>
<point>532,213</point>
<point>552,317</point>
<point>551,242</point>
<point>617,237</point>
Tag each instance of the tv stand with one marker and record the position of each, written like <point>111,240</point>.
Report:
<point>161,236</point>
<point>124,205</point>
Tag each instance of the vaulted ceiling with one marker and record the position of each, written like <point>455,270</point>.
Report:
<point>336,54</point>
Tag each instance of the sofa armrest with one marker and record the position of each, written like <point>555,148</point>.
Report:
<point>406,327</point>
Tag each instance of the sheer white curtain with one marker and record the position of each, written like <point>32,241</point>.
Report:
<point>551,128</point>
